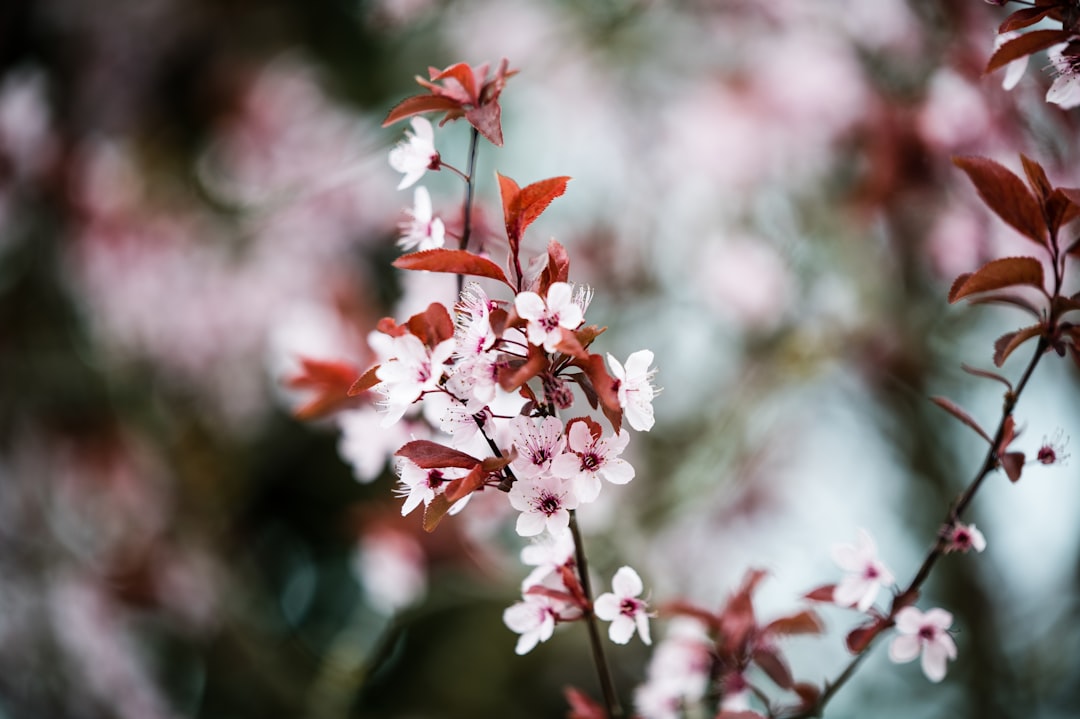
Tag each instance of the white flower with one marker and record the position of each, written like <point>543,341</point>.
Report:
<point>590,459</point>
<point>547,555</point>
<point>416,154</point>
<point>635,388</point>
<point>623,609</point>
<point>364,444</point>
<point>965,537</point>
<point>533,618</point>
<point>1065,90</point>
<point>537,446</point>
<point>678,671</point>
<point>410,371</point>
<point>547,318</point>
<point>1015,69</point>
<point>544,503</point>
<point>926,633</point>
<point>421,485</point>
<point>867,574</point>
<point>421,231</point>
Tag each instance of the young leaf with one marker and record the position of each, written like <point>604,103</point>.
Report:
<point>459,262</point>
<point>431,326</point>
<point>986,374</point>
<point>955,411</point>
<point>522,206</point>
<point>1005,298</point>
<point>805,622</point>
<point>417,105</point>
<point>435,511</point>
<point>1026,44</point>
<point>772,663</point>
<point>461,488</point>
<point>331,380</point>
<point>821,594</point>
<point>859,638</point>
<point>1013,464</point>
<point>364,382</point>
<point>1005,194</point>
<point>1009,341</point>
<point>997,274</point>
<point>431,455</point>
<point>558,267</point>
<point>582,706</point>
<point>1024,17</point>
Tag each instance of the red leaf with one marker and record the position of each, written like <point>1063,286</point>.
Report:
<point>516,375</point>
<point>463,80</point>
<point>522,206</point>
<point>1009,341</point>
<point>986,374</point>
<point>458,489</point>
<point>809,693</point>
<point>331,380</point>
<point>605,386</point>
<point>805,622</point>
<point>1026,44</point>
<point>432,326</point>
<point>687,609</point>
<point>581,706</point>
<point>1024,18</point>
<point>1005,194</point>
<point>435,511</point>
<point>996,274</point>
<point>558,267</point>
<point>487,120</point>
<point>1013,464</point>
<point>739,715</point>
<point>737,620</point>
<point>1036,176</point>
<point>364,382</point>
<point>772,663</point>
<point>570,346</point>
<point>821,594</point>
<point>955,411</point>
<point>459,262</point>
<point>417,105</point>
<point>860,637</point>
<point>431,455</point>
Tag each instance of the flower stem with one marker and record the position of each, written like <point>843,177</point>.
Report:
<point>990,463</point>
<point>611,700</point>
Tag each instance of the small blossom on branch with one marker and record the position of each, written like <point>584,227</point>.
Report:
<point>411,370</point>
<point>416,154</point>
<point>1052,450</point>
<point>591,458</point>
<point>533,618</point>
<point>421,231</point>
<point>547,555</point>
<point>544,503</point>
<point>547,318</point>
<point>635,389</point>
<point>1065,90</point>
<point>926,633</point>
<point>867,574</point>
<point>623,609</point>
<point>422,485</point>
<point>964,538</point>
<point>537,445</point>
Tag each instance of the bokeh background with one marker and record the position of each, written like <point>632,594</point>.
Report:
<point>194,193</point>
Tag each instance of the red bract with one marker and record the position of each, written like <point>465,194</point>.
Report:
<point>465,92</point>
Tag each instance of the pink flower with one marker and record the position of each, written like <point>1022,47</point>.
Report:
<point>537,446</point>
<point>1015,69</point>
<point>544,503</point>
<point>964,538</point>
<point>1065,90</point>
<point>421,485</point>
<point>547,555</point>
<point>533,618</point>
<point>1052,450</point>
<point>421,231</point>
<point>416,154</point>
<point>926,633</point>
<point>590,459</point>
<point>623,609</point>
<point>547,318</point>
<point>635,388</point>
<point>410,371</point>
<point>867,574</point>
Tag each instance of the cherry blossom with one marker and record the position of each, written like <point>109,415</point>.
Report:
<point>547,318</point>
<point>963,538</point>
<point>590,459</point>
<point>416,154</point>
<point>421,485</point>
<point>1052,450</point>
<point>421,231</point>
<point>678,672</point>
<point>411,370</point>
<point>544,503</point>
<point>1015,69</point>
<point>537,446</point>
<point>635,388</point>
<point>623,609</point>
<point>867,574</point>
<point>533,618</point>
<point>1065,90</point>
<point>926,633</point>
<point>547,555</point>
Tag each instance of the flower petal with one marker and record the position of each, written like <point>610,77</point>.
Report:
<point>904,648</point>
<point>627,583</point>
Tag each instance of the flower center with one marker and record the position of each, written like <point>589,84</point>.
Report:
<point>434,478</point>
<point>548,503</point>
<point>589,462</point>
<point>926,633</point>
<point>628,606</point>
